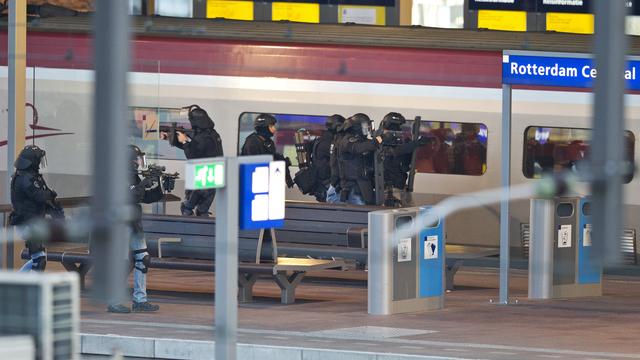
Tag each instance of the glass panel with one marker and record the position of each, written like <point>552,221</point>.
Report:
<point>146,125</point>
<point>287,125</point>
<point>555,149</point>
<point>454,148</point>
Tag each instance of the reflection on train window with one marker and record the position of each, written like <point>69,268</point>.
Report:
<point>548,149</point>
<point>287,126</point>
<point>453,148</point>
<point>147,123</point>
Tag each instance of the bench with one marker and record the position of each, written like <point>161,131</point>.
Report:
<point>287,273</point>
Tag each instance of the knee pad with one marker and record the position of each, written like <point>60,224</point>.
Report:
<point>141,265</point>
<point>39,263</point>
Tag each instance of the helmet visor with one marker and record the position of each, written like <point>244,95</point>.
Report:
<point>366,128</point>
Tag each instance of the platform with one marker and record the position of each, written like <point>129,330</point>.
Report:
<point>330,321</point>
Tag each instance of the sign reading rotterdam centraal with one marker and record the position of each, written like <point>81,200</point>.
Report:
<point>561,70</point>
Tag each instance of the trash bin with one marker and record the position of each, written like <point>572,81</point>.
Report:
<point>405,274</point>
<point>560,265</point>
<point>589,270</point>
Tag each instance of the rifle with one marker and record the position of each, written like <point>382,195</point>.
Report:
<point>172,131</point>
<point>415,134</point>
<point>168,179</point>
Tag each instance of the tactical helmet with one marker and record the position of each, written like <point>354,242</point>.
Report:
<point>137,156</point>
<point>358,124</point>
<point>264,121</point>
<point>334,122</point>
<point>392,121</point>
<point>199,118</point>
<point>29,157</point>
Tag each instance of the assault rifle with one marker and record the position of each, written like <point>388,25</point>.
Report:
<point>172,132</point>
<point>168,179</point>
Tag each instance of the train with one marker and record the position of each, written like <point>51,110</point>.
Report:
<point>456,92</point>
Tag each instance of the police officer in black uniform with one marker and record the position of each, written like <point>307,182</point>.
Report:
<point>320,150</point>
<point>260,142</point>
<point>147,190</point>
<point>397,155</point>
<point>204,143</point>
<point>31,199</point>
<point>334,125</point>
<point>355,158</point>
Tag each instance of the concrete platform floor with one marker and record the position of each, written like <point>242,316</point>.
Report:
<point>332,315</point>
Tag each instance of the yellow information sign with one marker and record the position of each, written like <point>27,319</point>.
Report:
<point>502,20</point>
<point>570,23</point>
<point>299,12</point>
<point>370,15</point>
<point>230,9</point>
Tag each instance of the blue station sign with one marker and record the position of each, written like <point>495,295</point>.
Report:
<point>560,70</point>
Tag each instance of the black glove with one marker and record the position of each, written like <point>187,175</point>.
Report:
<point>148,182</point>
<point>53,194</point>
<point>421,140</point>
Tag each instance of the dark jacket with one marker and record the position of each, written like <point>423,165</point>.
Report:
<point>205,143</point>
<point>139,194</point>
<point>30,196</point>
<point>321,157</point>
<point>355,157</point>
<point>397,164</point>
<point>259,145</point>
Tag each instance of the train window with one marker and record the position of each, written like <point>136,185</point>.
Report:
<point>453,148</point>
<point>146,125</point>
<point>549,149</point>
<point>287,125</point>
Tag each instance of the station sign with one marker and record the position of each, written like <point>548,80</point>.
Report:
<point>262,195</point>
<point>558,70</point>
<point>499,5</point>
<point>202,174</point>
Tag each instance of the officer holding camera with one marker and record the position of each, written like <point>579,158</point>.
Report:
<point>31,199</point>
<point>141,190</point>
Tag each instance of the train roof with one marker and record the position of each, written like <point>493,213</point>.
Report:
<point>337,34</point>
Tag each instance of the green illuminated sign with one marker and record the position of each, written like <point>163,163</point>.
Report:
<point>208,176</point>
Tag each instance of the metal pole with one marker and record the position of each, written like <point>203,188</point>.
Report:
<point>226,295</point>
<point>542,218</point>
<point>17,61</point>
<point>226,300</point>
<point>504,203</point>
<point>607,155</point>
<point>110,197</point>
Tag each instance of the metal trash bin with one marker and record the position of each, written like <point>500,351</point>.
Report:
<point>402,279</point>
<point>557,259</point>
<point>589,270</point>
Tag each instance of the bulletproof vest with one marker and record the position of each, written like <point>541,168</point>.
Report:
<point>353,166</point>
<point>320,158</point>
<point>25,207</point>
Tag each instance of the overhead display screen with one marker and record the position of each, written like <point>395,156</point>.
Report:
<point>500,5</point>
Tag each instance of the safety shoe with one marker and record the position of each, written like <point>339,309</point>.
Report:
<point>185,210</point>
<point>144,307</point>
<point>118,309</point>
